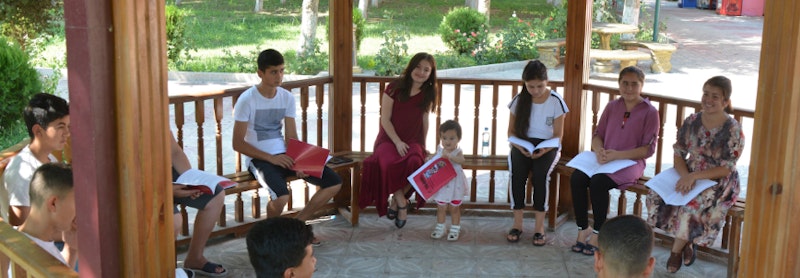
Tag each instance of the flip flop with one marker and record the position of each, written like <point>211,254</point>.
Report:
<point>690,247</point>
<point>539,237</point>
<point>578,247</point>
<point>590,249</point>
<point>515,233</point>
<point>209,269</point>
<point>188,272</point>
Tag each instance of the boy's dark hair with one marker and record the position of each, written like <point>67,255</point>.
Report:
<point>451,125</point>
<point>631,69</point>
<point>626,243</point>
<point>534,70</point>
<point>277,244</point>
<point>724,84</point>
<point>43,109</point>
<point>268,58</point>
<point>50,179</point>
<point>402,85</point>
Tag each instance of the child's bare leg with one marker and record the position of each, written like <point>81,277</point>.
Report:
<point>455,214</point>
<point>441,213</point>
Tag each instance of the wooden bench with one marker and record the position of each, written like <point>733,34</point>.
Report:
<point>550,51</point>
<point>661,53</point>
<point>626,58</point>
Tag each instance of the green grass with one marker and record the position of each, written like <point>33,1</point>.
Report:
<point>215,26</point>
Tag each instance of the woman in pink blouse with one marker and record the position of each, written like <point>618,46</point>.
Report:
<point>627,129</point>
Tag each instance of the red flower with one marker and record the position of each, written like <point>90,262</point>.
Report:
<point>458,31</point>
<point>519,20</point>
<point>551,18</point>
<point>474,35</point>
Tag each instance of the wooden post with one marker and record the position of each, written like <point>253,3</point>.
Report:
<point>117,84</point>
<point>770,247</point>
<point>341,95</point>
<point>576,72</point>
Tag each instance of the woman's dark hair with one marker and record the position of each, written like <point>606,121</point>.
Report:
<point>451,125</point>
<point>534,70</point>
<point>402,85</point>
<point>632,69</point>
<point>724,84</point>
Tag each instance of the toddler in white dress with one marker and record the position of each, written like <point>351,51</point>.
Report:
<point>450,196</point>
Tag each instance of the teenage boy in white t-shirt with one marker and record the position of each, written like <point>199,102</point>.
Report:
<point>260,114</point>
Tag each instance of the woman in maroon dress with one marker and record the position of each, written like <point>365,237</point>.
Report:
<point>400,147</point>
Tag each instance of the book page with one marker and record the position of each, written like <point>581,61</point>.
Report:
<point>587,162</point>
<point>664,183</point>
<point>549,143</point>
<point>194,177</point>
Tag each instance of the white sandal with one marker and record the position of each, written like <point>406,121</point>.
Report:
<point>454,231</point>
<point>438,231</point>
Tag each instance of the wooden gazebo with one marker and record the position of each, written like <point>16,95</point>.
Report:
<point>118,95</point>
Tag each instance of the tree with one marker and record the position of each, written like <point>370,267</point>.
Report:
<point>482,6</point>
<point>308,26</point>
<point>260,5</point>
<point>630,15</point>
<point>362,5</point>
<point>26,20</point>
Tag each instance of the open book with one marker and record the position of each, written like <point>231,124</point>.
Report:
<point>310,159</point>
<point>432,176</point>
<point>549,143</point>
<point>664,185</point>
<point>587,163</point>
<point>203,181</point>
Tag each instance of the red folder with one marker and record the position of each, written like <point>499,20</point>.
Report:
<point>432,176</point>
<point>310,159</point>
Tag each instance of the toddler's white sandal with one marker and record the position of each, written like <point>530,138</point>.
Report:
<point>454,231</point>
<point>438,231</point>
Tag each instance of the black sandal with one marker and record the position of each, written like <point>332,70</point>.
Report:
<point>539,237</point>
<point>390,213</point>
<point>400,223</point>
<point>515,233</point>
<point>578,247</point>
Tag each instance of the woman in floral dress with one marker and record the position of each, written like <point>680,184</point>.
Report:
<point>708,145</point>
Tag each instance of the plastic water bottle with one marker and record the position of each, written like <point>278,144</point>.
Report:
<point>485,142</point>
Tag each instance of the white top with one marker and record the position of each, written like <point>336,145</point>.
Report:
<point>50,247</point>
<point>264,117</point>
<point>16,180</point>
<point>543,115</point>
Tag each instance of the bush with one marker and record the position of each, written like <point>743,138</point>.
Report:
<point>359,21</point>
<point>307,63</point>
<point>19,83</point>
<point>177,42</point>
<point>462,29</point>
<point>515,42</point>
<point>25,20</point>
<point>391,58</point>
<point>451,60</point>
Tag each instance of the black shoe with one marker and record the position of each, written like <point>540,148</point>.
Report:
<point>391,214</point>
<point>400,223</point>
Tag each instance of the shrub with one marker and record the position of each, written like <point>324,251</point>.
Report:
<point>554,25</point>
<point>462,29</point>
<point>25,20</point>
<point>391,58</point>
<point>359,21</point>
<point>311,62</point>
<point>452,60</point>
<point>515,42</point>
<point>19,83</point>
<point>177,41</point>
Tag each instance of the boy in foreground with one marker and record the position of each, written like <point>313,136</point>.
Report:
<point>626,246</point>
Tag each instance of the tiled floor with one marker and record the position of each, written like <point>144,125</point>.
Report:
<point>377,249</point>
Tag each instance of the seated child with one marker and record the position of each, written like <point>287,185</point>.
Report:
<point>52,211</point>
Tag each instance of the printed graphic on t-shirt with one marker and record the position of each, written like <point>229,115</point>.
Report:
<point>549,121</point>
<point>267,124</point>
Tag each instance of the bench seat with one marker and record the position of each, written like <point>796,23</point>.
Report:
<point>626,58</point>
<point>661,53</point>
<point>550,51</point>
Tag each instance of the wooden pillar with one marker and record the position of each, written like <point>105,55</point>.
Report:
<point>770,247</point>
<point>118,98</point>
<point>341,97</point>
<point>576,73</point>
